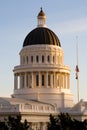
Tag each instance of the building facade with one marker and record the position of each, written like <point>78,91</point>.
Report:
<point>42,74</point>
<point>41,80</point>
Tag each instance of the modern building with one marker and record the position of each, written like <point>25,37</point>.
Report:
<point>41,80</point>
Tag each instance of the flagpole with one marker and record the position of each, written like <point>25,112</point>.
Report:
<point>78,88</point>
<point>77,69</point>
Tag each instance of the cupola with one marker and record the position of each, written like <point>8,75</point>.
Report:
<point>41,19</point>
<point>41,34</point>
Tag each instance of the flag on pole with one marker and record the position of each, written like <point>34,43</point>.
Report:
<point>77,70</point>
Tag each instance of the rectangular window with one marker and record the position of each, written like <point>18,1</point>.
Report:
<point>42,59</point>
<point>53,59</point>
<point>27,59</point>
<point>22,81</point>
<point>37,58</point>
<point>31,58</point>
<point>42,80</point>
<point>23,59</point>
<point>48,80</point>
<point>37,80</point>
<point>48,58</point>
<point>27,80</point>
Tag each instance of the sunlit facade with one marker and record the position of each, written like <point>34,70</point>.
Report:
<point>41,80</point>
<point>42,74</point>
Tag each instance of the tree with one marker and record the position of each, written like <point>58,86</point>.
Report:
<point>80,125</point>
<point>3,126</point>
<point>53,124</point>
<point>26,125</point>
<point>14,123</point>
<point>63,121</point>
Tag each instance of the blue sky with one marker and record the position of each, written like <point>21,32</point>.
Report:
<point>66,18</point>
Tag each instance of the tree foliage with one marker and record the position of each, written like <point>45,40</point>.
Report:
<point>63,121</point>
<point>14,123</point>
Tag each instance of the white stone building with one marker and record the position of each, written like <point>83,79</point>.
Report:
<point>41,80</point>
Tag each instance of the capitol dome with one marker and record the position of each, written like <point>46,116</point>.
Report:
<point>41,34</point>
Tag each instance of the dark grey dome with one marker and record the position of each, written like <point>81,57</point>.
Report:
<point>41,35</point>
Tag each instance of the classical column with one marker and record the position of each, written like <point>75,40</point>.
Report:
<point>29,78</point>
<point>25,80</point>
<point>41,125</point>
<point>22,80</point>
<point>21,84</point>
<point>61,80</point>
<point>32,80</point>
<point>54,80</point>
<point>65,81</point>
<point>51,81</point>
<point>44,126</point>
<point>46,79</point>
<point>68,82</point>
<point>39,79</point>
<point>15,81</point>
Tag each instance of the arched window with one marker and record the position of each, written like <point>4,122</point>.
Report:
<point>37,80</point>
